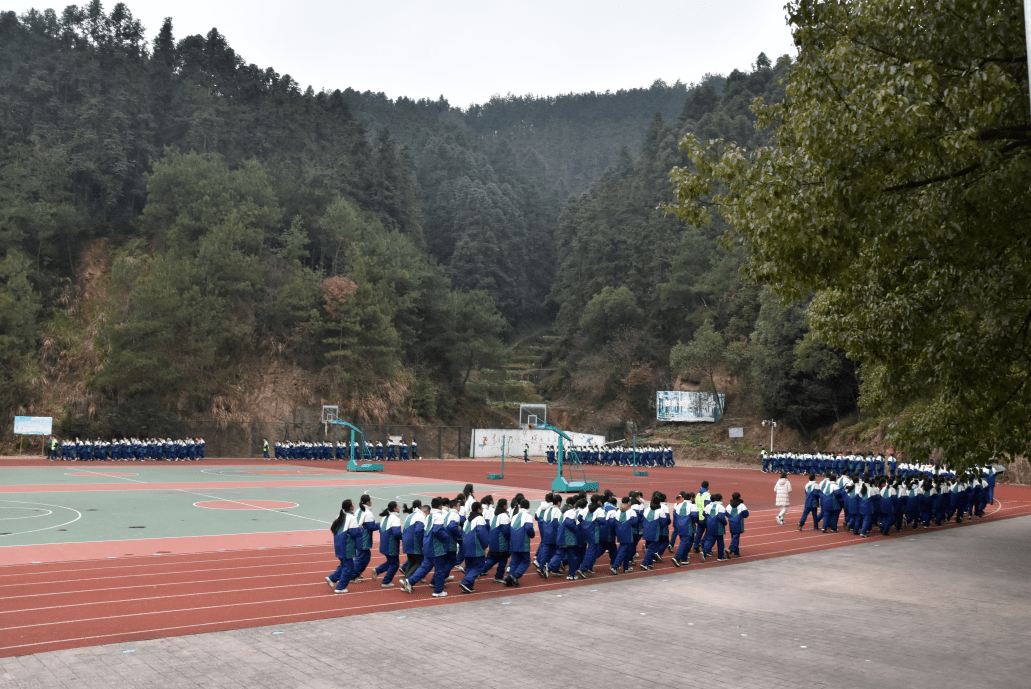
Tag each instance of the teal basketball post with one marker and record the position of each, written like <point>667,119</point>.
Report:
<point>353,463</point>
<point>636,472</point>
<point>498,477</point>
<point>561,484</point>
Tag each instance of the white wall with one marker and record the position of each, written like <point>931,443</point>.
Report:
<point>486,442</point>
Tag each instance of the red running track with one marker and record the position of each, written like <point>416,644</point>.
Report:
<point>73,604</point>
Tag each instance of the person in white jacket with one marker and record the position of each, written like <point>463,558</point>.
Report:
<point>783,491</point>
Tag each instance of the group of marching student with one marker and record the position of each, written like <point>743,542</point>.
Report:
<point>476,536</point>
<point>889,502</point>
<point>127,450</point>
<point>616,456</point>
<point>341,450</point>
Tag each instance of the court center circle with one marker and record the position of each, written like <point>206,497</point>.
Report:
<point>23,513</point>
<point>245,505</point>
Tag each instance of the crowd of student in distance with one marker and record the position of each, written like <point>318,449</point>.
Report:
<point>340,450</point>
<point>127,450</point>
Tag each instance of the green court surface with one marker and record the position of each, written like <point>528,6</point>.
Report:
<point>160,502</point>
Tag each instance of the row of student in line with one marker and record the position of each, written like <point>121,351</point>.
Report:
<point>888,502</point>
<point>127,449</point>
<point>618,456</point>
<point>477,536</point>
<point>341,450</point>
<point>841,463</point>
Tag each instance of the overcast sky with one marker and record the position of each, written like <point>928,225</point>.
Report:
<point>470,50</point>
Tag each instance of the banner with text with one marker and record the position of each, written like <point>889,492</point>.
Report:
<point>678,405</point>
<point>33,425</point>
<point>486,442</point>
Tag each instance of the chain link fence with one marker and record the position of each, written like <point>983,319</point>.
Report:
<point>244,439</point>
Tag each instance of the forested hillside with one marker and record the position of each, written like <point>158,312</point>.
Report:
<point>173,218</point>
<point>634,282</point>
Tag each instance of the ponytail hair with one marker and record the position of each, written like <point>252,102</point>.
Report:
<point>391,506</point>
<point>365,499</point>
<point>416,504</point>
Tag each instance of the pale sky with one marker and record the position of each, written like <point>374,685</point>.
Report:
<point>470,50</point>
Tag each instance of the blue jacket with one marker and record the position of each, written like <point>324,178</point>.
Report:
<point>345,540</point>
<point>607,526</point>
<point>453,529</point>
<point>521,532</point>
<point>390,534</point>
<point>812,495</point>
<point>590,528</point>
<point>715,519</point>
<point>569,529</point>
<point>500,533</point>
<point>550,524</point>
<point>685,519</point>
<point>475,537</point>
<point>736,518</point>
<point>654,523</point>
<point>436,542</point>
<point>412,535</point>
<point>368,527</point>
<point>624,526</point>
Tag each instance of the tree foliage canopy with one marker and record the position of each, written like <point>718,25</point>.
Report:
<point>894,189</point>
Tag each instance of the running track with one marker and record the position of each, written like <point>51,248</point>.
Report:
<point>85,603</point>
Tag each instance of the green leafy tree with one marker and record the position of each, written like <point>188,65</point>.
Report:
<point>19,307</point>
<point>612,309</point>
<point>703,358</point>
<point>476,341</point>
<point>895,189</point>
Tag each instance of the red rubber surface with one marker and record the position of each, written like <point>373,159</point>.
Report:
<point>72,604</point>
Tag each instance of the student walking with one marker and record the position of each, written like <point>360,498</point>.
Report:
<point>521,533</point>
<point>346,534</point>
<point>783,491</point>
<point>389,542</point>
<point>412,535</point>
<point>367,521</point>
<point>737,512</point>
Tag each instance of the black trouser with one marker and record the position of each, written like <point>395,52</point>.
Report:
<point>413,564</point>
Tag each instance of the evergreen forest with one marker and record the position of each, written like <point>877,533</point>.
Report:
<point>173,218</point>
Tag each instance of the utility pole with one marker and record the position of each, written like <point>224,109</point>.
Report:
<point>773,424</point>
<point>1027,38</point>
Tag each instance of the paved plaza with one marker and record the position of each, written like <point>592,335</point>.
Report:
<point>947,609</point>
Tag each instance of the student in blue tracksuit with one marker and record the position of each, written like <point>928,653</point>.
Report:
<point>453,527</point>
<point>625,522</point>
<point>500,525</point>
<point>737,512</point>
<point>869,502</point>
<point>366,520</point>
<point>538,517</point>
<point>685,523</point>
<point>590,532</point>
<point>830,503</point>
<point>812,503</point>
<point>653,522</point>
<point>346,534</point>
<point>411,536</point>
<point>550,524</point>
<point>389,542</point>
<point>436,552</point>
<point>475,540</point>
<point>520,535</point>
<point>568,541</point>
<point>715,528</point>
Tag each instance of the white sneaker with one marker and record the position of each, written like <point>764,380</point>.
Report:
<point>387,586</point>
<point>339,590</point>
<point>330,582</point>
<point>442,594</point>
